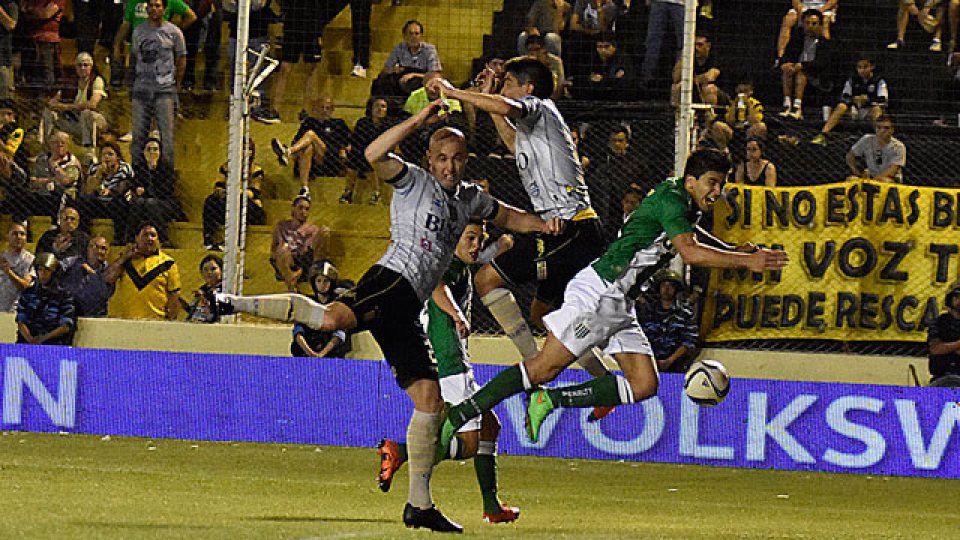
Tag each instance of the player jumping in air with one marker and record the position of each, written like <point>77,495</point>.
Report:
<point>530,125</point>
<point>598,306</point>
<point>428,212</point>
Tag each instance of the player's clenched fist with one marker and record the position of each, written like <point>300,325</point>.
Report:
<point>553,226</point>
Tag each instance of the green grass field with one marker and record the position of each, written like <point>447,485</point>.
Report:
<point>69,486</point>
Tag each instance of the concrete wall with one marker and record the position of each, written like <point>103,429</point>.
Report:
<point>274,340</point>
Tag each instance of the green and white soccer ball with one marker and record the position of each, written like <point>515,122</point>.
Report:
<point>706,383</point>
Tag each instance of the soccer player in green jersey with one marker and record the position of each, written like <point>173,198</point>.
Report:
<point>446,318</point>
<point>598,306</point>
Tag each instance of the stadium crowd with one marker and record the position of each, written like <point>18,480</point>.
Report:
<point>66,119</point>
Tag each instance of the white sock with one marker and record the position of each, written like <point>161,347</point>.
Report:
<point>421,448</point>
<point>786,102</point>
<point>286,307</point>
<point>624,390</point>
<point>527,385</point>
<point>797,104</point>
<point>487,448</point>
<point>503,306</point>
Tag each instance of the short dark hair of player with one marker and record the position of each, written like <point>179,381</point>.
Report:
<point>864,57</point>
<point>531,71</point>
<point>704,161</point>
<point>410,22</point>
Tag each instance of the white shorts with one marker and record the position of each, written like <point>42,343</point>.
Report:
<point>455,389</point>
<point>596,314</point>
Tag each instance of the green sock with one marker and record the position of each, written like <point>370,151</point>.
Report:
<point>602,391</point>
<point>507,383</point>
<point>486,468</point>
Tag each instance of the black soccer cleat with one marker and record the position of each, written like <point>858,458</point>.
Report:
<point>430,518</point>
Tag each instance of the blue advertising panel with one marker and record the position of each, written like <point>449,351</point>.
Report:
<point>762,424</point>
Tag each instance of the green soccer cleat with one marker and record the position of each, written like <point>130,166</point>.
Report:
<point>538,408</point>
<point>447,432</point>
<point>820,140</point>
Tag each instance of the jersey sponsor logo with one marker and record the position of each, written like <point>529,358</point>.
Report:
<point>581,330</point>
<point>434,223</point>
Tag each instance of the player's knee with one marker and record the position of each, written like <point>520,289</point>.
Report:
<point>541,372</point>
<point>486,280</point>
<point>644,387</point>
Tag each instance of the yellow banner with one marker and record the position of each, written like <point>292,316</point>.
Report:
<point>868,261</point>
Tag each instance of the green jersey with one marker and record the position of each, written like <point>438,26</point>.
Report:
<point>448,349</point>
<point>644,246</point>
<point>135,11</point>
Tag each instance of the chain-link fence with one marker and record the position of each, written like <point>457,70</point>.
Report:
<point>617,99</point>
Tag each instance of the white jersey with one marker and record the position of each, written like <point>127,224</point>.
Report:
<point>425,225</point>
<point>547,159</point>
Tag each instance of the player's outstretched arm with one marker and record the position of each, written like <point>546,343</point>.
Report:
<point>697,254</point>
<point>517,220</point>
<point>491,103</point>
<point>380,152</point>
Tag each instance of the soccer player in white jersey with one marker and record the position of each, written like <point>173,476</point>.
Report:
<point>598,306</point>
<point>534,130</point>
<point>429,211</point>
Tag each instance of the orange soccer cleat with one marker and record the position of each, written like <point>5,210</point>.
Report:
<point>508,514</point>
<point>600,412</point>
<point>390,462</point>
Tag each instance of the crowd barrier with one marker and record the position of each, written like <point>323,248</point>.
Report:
<point>762,424</point>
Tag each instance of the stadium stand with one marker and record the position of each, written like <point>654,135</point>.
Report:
<point>924,104</point>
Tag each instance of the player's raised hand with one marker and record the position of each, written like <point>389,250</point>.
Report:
<point>553,226</point>
<point>486,80</point>
<point>434,111</point>
<point>768,259</point>
<point>439,85</point>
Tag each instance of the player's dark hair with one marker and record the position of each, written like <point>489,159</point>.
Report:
<point>531,71</point>
<point>299,198</point>
<point>707,160</point>
<point>410,22</point>
<point>864,57</point>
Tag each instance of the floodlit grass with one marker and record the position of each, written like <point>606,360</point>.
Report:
<point>69,486</point>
